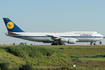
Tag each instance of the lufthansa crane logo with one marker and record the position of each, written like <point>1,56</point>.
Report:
<point>10,25</point>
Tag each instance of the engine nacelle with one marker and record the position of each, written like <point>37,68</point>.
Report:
<point>63,39</point>
<point>72,41</point>
<point>68,40</point>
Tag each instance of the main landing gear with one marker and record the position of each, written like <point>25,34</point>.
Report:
<point>94,43</point>
<point>57,43</point>
<point>54,44</point>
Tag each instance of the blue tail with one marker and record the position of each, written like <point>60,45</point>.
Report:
<point>11,27</point>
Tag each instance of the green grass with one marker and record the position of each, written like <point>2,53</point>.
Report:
<point>31,51</point>
<point>53,56</point>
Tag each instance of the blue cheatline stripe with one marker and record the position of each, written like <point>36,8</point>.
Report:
<point>66,36</point>
<point>82,36</point>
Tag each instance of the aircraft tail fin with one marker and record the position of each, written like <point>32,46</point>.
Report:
<point>11,26</point>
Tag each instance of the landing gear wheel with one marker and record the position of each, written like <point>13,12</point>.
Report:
<point>54,44</point>
<point>94,43</point>
<point>100,42</point>
<point>60,44</point>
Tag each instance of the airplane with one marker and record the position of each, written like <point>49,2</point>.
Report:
<point>53,38</point>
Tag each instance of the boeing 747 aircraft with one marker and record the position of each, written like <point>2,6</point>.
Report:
<point>53,38</point>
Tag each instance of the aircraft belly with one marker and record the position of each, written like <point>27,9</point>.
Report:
<point>39,39</point>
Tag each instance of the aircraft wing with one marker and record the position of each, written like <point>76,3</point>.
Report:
<point>63,40</point>
<point>53,37</point>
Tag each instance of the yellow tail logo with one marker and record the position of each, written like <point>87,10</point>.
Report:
<point>10,25</point>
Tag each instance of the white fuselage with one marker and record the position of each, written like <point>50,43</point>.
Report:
<point>82,36</point>
<point>53,38</point>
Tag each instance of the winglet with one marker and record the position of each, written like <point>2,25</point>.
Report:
<point>11,27</point>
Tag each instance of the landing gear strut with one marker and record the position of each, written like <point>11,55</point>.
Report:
<point>94,43</point>
<point>91,43</point>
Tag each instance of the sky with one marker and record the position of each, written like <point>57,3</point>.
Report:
<point>52,16</point>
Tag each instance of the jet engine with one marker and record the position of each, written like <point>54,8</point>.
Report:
<point>68,40</point>
<point>72,41</point>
